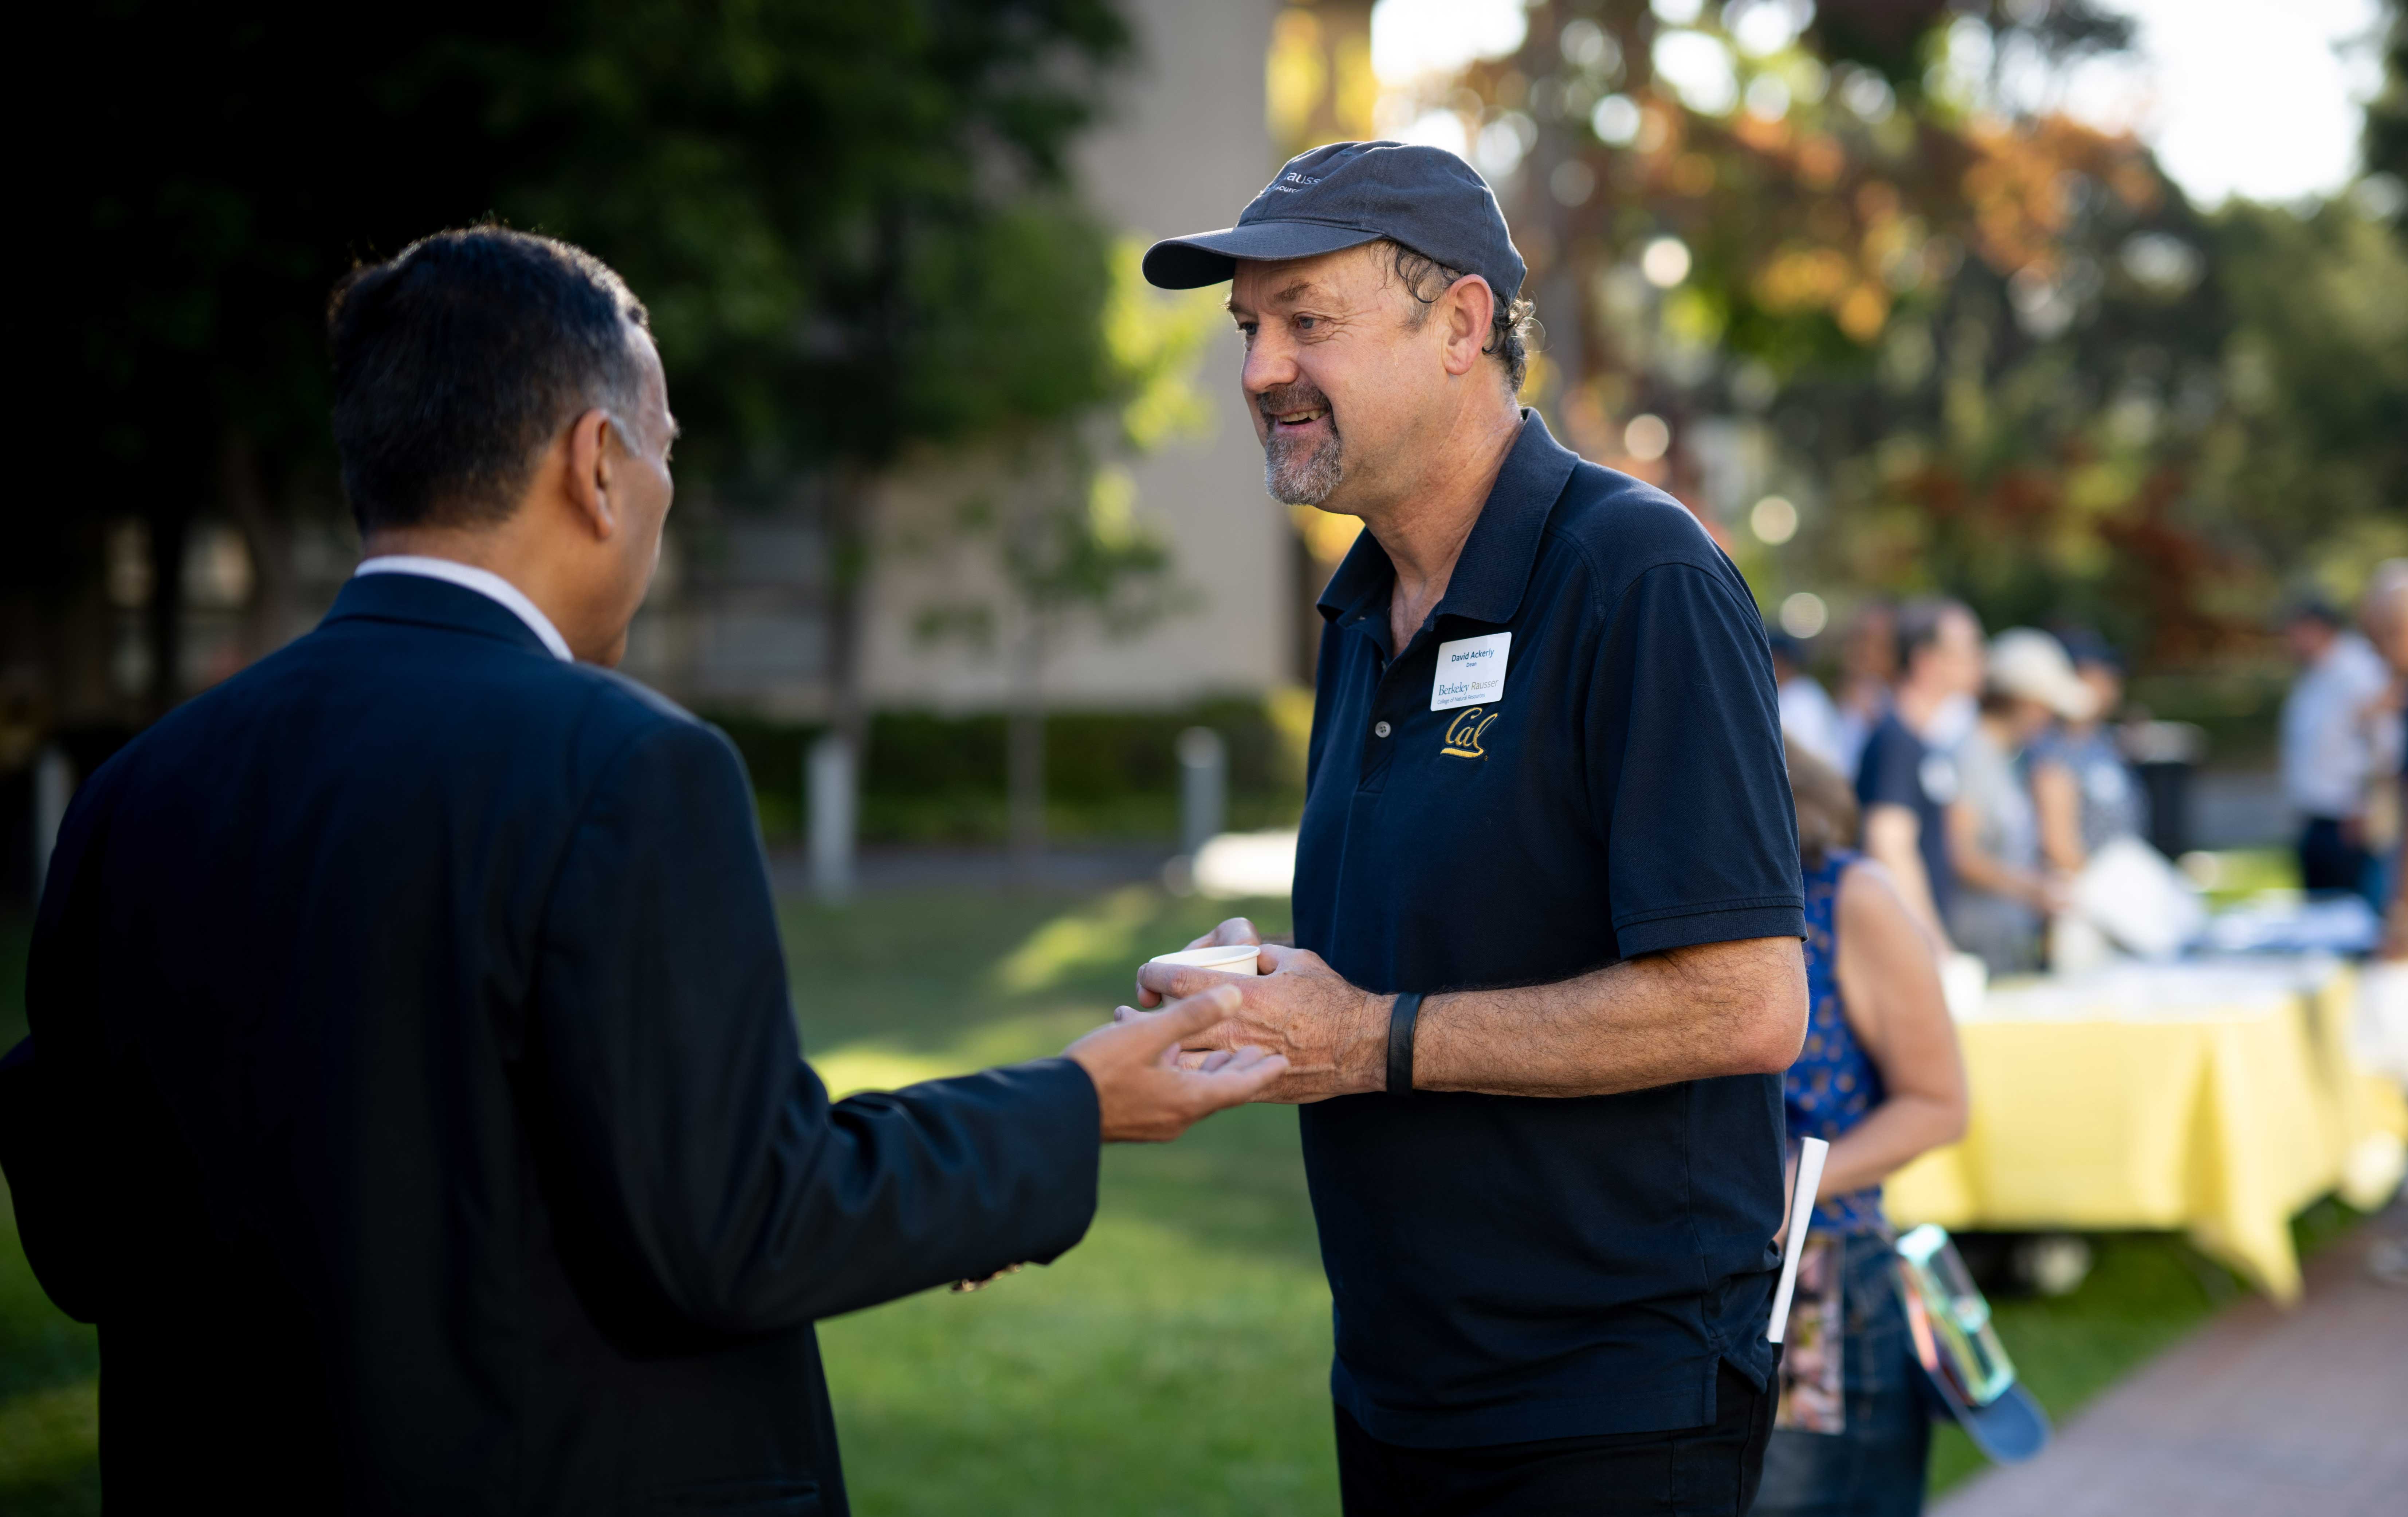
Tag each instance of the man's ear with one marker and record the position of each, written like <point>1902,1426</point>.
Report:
<point>1468,307</point>
<point>587,472</point>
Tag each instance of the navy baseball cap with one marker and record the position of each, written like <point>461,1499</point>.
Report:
<point>1348,193</point>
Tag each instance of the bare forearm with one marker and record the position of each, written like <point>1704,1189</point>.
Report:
<point>1723,1008</point>
<point>1986,873</point>
<point>2057,797</point>
<point>1890,994</point>
<point>1899,1130</point>
<point>1893,841</point>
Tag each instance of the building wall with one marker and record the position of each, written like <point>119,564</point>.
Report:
<point>1184,148</point>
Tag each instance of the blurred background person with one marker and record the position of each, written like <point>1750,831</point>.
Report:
<point>1868,669</point>
<point>2005,892</point>
<point>1808,716</point>
<point>1908,775</point>
<point>2384,614</point>
<point>1880,1079</point>
<point>2083,792</point>
<point>2329,749</point>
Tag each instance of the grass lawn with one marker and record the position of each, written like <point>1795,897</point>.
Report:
<point>1175,1362</point>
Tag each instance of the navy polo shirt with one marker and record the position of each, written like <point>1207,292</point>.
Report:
<point>1505,1267</point>
<point>1899,768</point>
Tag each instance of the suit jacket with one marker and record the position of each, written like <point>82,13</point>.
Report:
<point>414,1101</point>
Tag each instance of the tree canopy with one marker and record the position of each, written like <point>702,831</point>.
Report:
<point>850,220</point>
<point>1983,346</point>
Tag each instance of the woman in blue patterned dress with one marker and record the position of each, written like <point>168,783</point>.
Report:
<point>1879,1078</point>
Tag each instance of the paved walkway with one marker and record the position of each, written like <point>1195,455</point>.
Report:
<point>2263,1413</point>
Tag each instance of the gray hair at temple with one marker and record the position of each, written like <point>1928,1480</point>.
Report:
<point>1510,326</point>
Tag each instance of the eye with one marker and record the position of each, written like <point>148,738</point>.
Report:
<point>1306,323</point>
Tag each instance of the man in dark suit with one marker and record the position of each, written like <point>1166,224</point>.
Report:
<point>413,1098</point>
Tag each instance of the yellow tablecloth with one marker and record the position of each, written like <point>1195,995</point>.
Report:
<point>2128,1101</point>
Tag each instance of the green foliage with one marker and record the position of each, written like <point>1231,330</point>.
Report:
<point>2386,114</point>
<point>1062,512</point>
<point>1154,340</point>
<point>2309,462</point>
<point>847,216</point>
<point>1986,347</point>
<point>1012,334</point>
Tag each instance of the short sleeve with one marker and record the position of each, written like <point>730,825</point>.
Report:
<point>1684,745</point>
<point>1890,774</point>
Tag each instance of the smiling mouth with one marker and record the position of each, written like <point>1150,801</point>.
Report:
<point>1303,418</point>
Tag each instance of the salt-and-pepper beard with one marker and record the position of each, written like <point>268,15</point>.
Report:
<point>1292,475</point>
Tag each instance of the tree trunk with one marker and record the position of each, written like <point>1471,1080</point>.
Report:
<point>269,621</point>
<point>1557,288</point>
<point>846,601</point>
<point>170,526</point>
<point>1024,755</point>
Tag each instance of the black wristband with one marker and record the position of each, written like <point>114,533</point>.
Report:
<point>1400,1041</point>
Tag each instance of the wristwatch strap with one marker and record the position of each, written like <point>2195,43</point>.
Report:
<point>1400,1041</point>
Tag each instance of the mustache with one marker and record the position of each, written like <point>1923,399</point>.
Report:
<point>1299,396</point>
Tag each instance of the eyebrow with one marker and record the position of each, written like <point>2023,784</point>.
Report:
<point>1292,293</point>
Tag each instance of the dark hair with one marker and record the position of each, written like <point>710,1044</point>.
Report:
<point>2087,649</point>
<point>1425,279</point>
<point>458,360</point>
<point>2311,606</point>
<point>1918,625</point>
<point>1826,804</point>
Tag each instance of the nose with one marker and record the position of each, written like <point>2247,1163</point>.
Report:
<point>1270,362</point>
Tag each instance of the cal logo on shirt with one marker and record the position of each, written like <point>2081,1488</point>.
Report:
<point>1464,733</point>
<point>1471,671</point>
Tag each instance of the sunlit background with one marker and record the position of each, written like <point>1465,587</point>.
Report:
<point>2092,312</point>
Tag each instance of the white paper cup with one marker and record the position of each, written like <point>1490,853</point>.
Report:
<point>1229,959</point>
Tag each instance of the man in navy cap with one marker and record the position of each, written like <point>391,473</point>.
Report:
<point>1547,896</point>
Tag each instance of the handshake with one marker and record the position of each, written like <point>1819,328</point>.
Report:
<point>1207,1038</point>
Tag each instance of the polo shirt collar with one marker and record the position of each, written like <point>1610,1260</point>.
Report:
<point>1495,566</point>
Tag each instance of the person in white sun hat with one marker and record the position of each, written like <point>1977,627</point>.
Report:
<point>2004,893</point>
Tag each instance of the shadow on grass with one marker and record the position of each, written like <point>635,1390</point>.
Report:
<point>922,971</point>
<point>1177,1359</point>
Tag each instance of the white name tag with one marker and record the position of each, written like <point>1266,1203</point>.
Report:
<point>1471,671</point>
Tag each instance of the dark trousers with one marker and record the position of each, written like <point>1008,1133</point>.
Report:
<point>2329,862</point>
<point>1706,1471</point>
<point>1876,1468</point>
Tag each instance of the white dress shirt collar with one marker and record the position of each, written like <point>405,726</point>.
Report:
<point>483,582</point>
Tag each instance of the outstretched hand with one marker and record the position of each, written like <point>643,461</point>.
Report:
<point>1333,1036</point>
<point>1146,1096</point>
